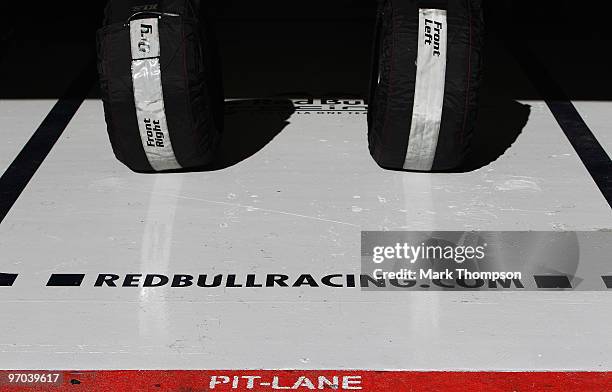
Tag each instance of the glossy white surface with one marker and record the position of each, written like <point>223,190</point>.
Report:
<point>597,116</point>
<point>297,206</point>
<point>19,119</point>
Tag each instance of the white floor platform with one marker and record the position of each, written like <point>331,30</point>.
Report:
<point>297,206</point>
<point>18,121</point>
<point>597,117</point>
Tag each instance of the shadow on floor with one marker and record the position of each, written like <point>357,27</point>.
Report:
<point>249,126</point>
<point>500,123</point>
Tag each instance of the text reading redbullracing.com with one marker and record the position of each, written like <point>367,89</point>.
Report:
<point>396,261</point>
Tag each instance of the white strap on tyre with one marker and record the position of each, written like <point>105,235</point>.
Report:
<point>148,94</point>
<point>429,90</point>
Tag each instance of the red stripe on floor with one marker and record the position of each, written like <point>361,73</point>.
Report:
<point>230,380</point>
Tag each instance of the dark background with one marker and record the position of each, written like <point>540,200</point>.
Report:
<point>316,48</point>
